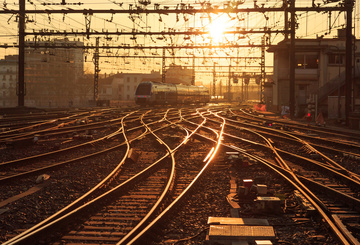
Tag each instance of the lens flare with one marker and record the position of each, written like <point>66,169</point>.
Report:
<point>217,28</point>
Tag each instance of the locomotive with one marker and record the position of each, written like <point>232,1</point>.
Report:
<point>155,93</point>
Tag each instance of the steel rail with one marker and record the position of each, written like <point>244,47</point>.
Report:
<point>187,189</point>
<point>312,149</point>
<point>4,133</point>
<point>68,211</point>
<point>352,135</point>
<point>17,161</point>
<point>55,130</point>
<point>335,167</point>
<point>55,165</point>
<point>334,171</point>
<point>131,182</point>
<point>322,209</point>
<point>329,149</point>
<point>166,190</point>
<point>300,135</point>
<point>40,226</point>
<point>299,186</point>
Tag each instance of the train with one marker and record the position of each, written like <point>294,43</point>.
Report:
<point>156,93</point>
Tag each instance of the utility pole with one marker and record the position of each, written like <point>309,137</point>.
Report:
<point>96,71</point>
<point>214,78</point>
<point>242,89</point>
<point>288,7</point>
<point>348,60</point>
<point>292,61</point>
<point>163,67</point>
<point>21,61</point>
<point>229,83</point>
<point>262,73</point>
<point>193,71</point>
<point>286,19</point>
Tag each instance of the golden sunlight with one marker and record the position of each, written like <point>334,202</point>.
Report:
<point>217,28</point>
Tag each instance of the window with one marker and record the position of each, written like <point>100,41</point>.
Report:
<point>128,79</point>
<point>128,88</point>
<point>4,77</point>
<point>3,85</point>
<point>307,61</point>
<point>11,78</point>
<point>336,59</point>
<point>128,97</point>
<point>143,89</point>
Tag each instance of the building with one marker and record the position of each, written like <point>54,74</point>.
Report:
<point>8,76</point>
<point>319,75</point>
<point>52,75</point>
<point>178,74</point>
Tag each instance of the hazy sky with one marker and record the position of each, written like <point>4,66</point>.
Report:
<point>310,25</point>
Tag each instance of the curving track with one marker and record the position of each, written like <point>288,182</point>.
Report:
<point>163,155</point>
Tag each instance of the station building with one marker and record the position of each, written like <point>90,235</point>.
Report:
<point>178,74</point>
<point>8,76</point>
<point>53,76</point>
<point>319,76</point>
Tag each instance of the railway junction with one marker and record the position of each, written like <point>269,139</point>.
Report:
<point>218,174</point>
<point>180,122</point>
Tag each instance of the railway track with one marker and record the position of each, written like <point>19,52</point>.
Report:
<point>346,192</point>
<point>147,158</point>
<point>166,163</point>
<point>293,126</point>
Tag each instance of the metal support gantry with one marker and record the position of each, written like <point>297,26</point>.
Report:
<point>262,72</point>
<point>214,81</point>
<point>21,71</point>
<point>96,71</point>
<point>288,7</point>
<point>163,68</point>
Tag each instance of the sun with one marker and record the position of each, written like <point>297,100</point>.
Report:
<point>217,28</point>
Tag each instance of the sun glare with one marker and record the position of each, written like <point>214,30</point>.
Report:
<point>216,29</point>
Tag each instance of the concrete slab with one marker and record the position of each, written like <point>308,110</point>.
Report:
<point>237,221</point>
<point>244,232</point>
<point>263,242</point>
